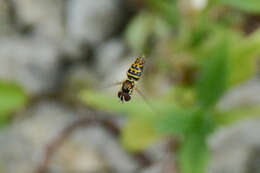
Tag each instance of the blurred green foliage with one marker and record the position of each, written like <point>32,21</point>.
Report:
<point>12,98</point>
<point>213,78</point>
<point>251,6</point>
<point>210,53</point>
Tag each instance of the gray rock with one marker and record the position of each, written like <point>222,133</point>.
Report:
<point>47,19</point>
<point>5,23</point>
<point>254,161</point>
<point>45,16</point>
<point>23,142</point>
<point>167,165</point>
<point>79,77</point>
<point>34,63</point>
<point>112,61</point>
<point>159,151</point>
<point>90,149</point>
<point>116,74</point>
<point>233,147</point>
<point>108,54</point>
<point>93,21</point>
<point>71,49</point>
<point>162,158</point>
<point>242,95</point>
<point>98,139</point>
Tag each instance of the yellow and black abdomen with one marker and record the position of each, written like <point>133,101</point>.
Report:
<point>135,72</point>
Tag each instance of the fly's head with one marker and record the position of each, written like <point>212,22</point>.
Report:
<point>123,96</point>
<point>126,91</point>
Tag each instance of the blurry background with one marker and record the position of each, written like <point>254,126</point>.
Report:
<point>201,84</point>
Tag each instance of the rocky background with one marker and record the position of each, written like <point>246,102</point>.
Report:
<point>53,48</point>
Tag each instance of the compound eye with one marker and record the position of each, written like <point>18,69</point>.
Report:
<point>127,97</point>
<point>119,94</point>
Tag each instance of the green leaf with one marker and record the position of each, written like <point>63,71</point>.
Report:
<point>236,114</point>
<point>244,54</point>
<point>251,6</point>
<point>168,10</point>
<point>138,31</point>
<point>200,29</point>
<point>183,121</point>
<point>139,133</point>
<point>193,155</point>
<point>111,103</point>
<point>194,124</point>
<point>182,95</point>
<point>12,98</point>
<point>2,168</point>
<point>218,35</point>
<point>176,122</point>
<point>214,72</point>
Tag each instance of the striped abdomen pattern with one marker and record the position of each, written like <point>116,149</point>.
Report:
<point>136,69</point>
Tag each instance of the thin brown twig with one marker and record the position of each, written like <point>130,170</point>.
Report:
<point>59,140</point>
<point>55,144</point>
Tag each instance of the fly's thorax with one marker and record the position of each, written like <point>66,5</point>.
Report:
<point>127,86</point>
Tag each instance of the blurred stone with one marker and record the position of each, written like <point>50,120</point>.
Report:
<point>46,19</point>
<point>45,16</point>
<point>71,49</point>
<point>233,147</point>
<point>112,63</point>
<point>90,149</point>
<point>117,73</point>
<point>78,159</point>
<point>108,54</point>
<point>79,77</point>
<point>34,63</point>
<point>162,157</point>
<point>22,142</point>
<point>5,23</point>
<point>242,95</point>
<point>156,168</point>
<point>254,161</point>
<point>164,166</point>
<point>159,151</point>
<point>96,138</point>
<point>93,21</point>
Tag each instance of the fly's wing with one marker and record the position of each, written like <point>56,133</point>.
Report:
<point>145,99</point>
<point>111,85</point>
<point>149,64</point>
